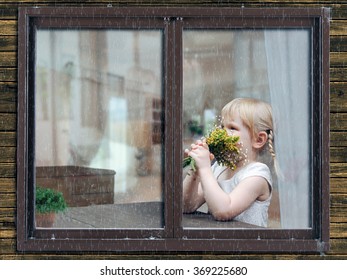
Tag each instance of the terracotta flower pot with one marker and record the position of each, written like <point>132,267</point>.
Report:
<point>44,220</point>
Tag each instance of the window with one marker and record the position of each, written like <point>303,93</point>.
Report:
<point>110,97</point>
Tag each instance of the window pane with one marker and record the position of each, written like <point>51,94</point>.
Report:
<point>271,65</point>
<point>98,133</point>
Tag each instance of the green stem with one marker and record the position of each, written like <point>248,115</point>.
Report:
<point>189,161</point>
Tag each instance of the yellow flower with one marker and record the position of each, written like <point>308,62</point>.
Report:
<point>222,146</point>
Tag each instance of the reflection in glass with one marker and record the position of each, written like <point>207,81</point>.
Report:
<point>98,126</point>
<point>272,65</point>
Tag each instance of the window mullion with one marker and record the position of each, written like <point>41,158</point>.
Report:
<point>177,25</point>
<point>169,91</point>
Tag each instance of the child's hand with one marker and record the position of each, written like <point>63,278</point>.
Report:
<point>194,146</point>
<point>201,154</point>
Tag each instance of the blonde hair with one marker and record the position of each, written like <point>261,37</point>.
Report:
<point>256,115</point>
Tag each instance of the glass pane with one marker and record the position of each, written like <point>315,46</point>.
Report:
<point>271,65</point>
<point>98,130</point>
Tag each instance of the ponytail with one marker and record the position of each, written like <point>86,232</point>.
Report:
<point>272,151</point>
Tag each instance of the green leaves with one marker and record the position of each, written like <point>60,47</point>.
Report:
<point>189,161</point>
<point>48,200</point>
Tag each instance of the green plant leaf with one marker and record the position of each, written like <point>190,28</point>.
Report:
<point>48,200</point>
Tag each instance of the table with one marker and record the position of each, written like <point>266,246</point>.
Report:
<point>134,215</point>
<point>203,220</point>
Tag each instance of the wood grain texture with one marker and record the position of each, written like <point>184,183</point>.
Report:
<point>338,43</point>
<point>8,59</point>
<point>8,74</point>
<point>8,122</point>
<point>338,138</point>
<point>8,27</point>
<point>338,121</point>
<point>8,43</point>
<point>8,139</point>
<point>338,154</point>
<point>338,135</point>
<point>338,97</point>
<point>7,170</point>
<point>338,185</point>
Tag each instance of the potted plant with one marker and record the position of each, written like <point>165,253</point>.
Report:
<point>48,202</point>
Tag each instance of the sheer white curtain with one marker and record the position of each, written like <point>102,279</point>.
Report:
<point>288,60</point>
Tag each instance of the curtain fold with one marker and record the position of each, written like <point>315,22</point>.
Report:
<point>288,61</point>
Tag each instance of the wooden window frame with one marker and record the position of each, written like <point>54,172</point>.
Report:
<point>173,237</point>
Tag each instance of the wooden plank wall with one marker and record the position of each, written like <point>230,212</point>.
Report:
<point>8,103</point>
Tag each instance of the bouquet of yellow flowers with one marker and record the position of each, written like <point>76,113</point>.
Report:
<point>222,146</point>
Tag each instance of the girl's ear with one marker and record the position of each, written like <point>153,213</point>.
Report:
<point>260,140</point>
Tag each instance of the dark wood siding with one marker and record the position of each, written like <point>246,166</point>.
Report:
<point>338,113</point>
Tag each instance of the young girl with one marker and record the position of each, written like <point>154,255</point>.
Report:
<point>242,194</point>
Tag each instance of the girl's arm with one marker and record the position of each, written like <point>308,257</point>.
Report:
<point>224,206</point>
<point>193,196</point>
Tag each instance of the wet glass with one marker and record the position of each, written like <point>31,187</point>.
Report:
<point>273,65</point>
<point>98,126</point>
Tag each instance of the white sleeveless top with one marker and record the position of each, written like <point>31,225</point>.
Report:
<point>257,213</point>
